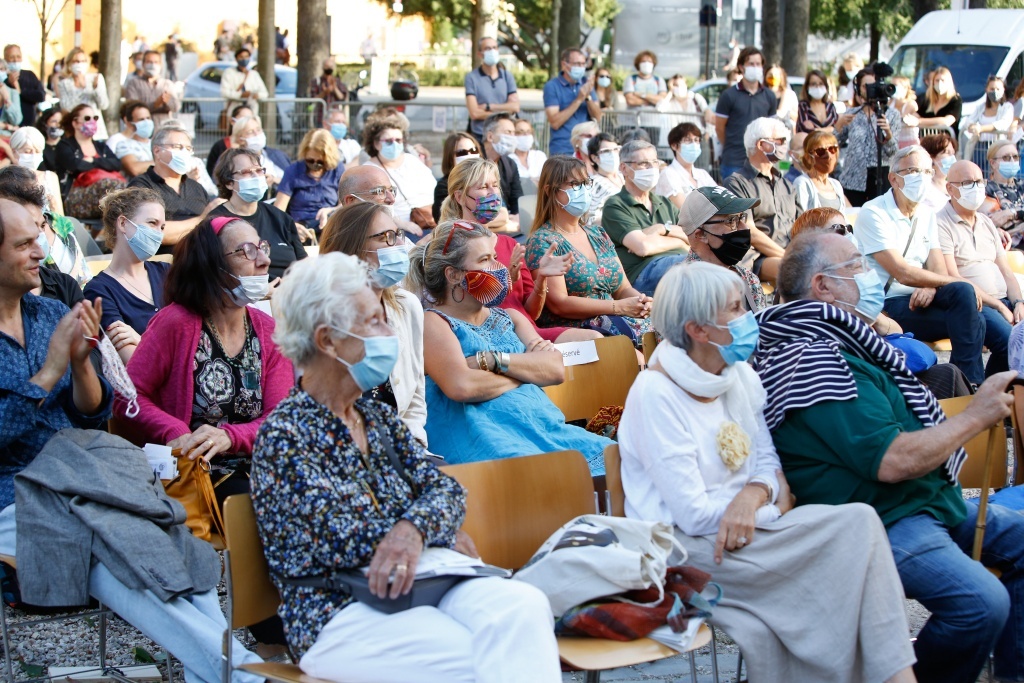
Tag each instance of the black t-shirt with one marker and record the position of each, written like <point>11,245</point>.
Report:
<point>953,108</point>
<point>276,227</point>
<point>60,286</point>
<point>188,202</point>
<point>218,148</point>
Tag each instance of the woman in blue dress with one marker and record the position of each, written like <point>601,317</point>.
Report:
<point>485,365</point>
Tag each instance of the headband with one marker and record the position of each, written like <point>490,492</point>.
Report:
<point>219,223</point>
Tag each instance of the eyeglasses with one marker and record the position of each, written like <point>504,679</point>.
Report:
<point>840,228</point>
<point>378,191</point>
<point>732,221</point>
<point>314,163</point>
<point>461,225</point>
<point>968,184</point>
<point>576,63</point>
<point>250,250</point>
<point>252,172</point>
<point>859,264</point>
<point>580,184</point>
<point>464,152</point>
<point>823,152</point>
<point>1012,157</point>
<point>389,141</point>
<point>914,169</point>
<point>391,237</point>
<point>90,118</point>
<point>178,148</point>
<point>643,165</point>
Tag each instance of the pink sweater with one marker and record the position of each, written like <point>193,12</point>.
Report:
<point>162,369</point>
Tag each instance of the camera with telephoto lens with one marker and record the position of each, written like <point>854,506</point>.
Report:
<point>878,94</point>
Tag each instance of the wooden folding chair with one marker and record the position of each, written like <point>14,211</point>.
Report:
<point>985,466</point>
<point>649,342</point>
<point>513,506</point>
<point>1017,418</point>
<point>588,388</point>
<point>252,596</point>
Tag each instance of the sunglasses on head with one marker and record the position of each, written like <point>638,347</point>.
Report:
<point>461,225</point>
<point>841,228</point>
<point>823,152</point>
<point>464,152</point>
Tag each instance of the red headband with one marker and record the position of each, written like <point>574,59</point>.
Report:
<point>219,223</point>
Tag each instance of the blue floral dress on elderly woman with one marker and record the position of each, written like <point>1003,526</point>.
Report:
<point>522,421</point>
<point>587,279</point>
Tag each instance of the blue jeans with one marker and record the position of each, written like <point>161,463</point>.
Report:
<point>953,314</point>
<point>973,612</point>
<point>190,628</point>
<point>997,337</point>
<point>648,279</point>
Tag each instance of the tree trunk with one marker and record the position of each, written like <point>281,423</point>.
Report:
<point>42,54</point>
<point>569,22</point>
<point>978,4</point>
<point>311,40</point>
<point>876,38</point>
<point>110,58</point>
<point>485,24</point>
<point>554,47</point>
<point>923,7</point>
<point>266,42</point>
<point>794,41</point>
<point>770,33</point>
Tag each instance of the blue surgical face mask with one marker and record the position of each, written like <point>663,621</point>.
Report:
<point>392,150</point>
<point>577,72</point>
<point>1009,169</point>
<point>914,187</point>
<point>181,161</point>
<point>872,294</point>
<point>3,77</point>
<point>394,266</point>
<point>946,163</point>
<point>379,357</point>
<point>44,244</point>
<point>689,151</point>
<point>339,131</point>
<point>490,57</point>
<point>146,240</point>
<point>144,129</point>
<point>745,333</point>
<point>579,201</point>
<point>252,189</point>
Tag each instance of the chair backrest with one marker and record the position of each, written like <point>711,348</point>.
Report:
<point>253,595</point>
<point>1016,259</point>
<point>972,475</point>
<point>613,481</point>
<point>1017,417</point>
<point>97,264</point>
<point>514,505</point>
<point>588,388</point>
<point>649,342</point>
<point>164,258</point>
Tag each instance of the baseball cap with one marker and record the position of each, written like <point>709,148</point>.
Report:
<point>705,202</point>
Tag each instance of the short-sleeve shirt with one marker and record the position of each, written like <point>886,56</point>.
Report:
<point>559,92</point>
<point>121,303</point>
<point>779,207</point>
<point>488,90</point>
<point>953,108</point>
<point>741,107</point>
<point>973,248</point>
<point>188,202</point>
<point>644,87</point>
<point>140,150</point>
<point>623,213</point>
<point>308,194</point>
<point>674,180</point>
<point>831,453</point>
<point>881,226</point>
<point>415,184</point>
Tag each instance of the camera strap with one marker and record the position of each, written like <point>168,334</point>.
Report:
<point>913,229</point>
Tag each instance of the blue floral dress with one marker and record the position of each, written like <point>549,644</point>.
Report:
<point>522,421</point>
<point>587,279</point>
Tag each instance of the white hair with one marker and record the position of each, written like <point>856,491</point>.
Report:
<point>905,152</point>
<point>315,292</point>
<point>165,131</point>
<point>763,128</point>
<point>692,291</point>
<point>27,136</point>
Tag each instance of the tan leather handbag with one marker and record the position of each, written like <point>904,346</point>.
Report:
<point>193,488</point>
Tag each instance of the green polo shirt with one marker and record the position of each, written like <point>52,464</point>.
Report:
<point>831,453</point>
<point>622,214</point>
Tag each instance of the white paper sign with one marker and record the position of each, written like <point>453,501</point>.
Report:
<point>578,353</point>
<point>160,459</point>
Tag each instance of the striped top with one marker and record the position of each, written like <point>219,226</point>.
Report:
<point>799,358</point>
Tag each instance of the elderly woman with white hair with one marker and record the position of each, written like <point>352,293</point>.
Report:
<point>697,454</point>
<point>339,482</point>
<point>28,145</point>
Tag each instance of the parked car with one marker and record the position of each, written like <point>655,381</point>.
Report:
<point>204,83</point>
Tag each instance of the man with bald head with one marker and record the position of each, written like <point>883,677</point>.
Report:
<point>973,250</point>
<point>366,183</point>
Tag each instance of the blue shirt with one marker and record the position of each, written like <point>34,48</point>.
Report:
<point>30,415</point>
<point>309,195</point>
<point>488,90</point>
<point>121,303</point>
<point>560,92</point>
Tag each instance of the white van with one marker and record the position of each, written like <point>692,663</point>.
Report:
<point>973,44</point>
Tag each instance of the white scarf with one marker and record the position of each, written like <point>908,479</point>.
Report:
<point>738,385</point>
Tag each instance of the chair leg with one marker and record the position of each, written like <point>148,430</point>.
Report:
<point>693,665</point>
<point>592,677</point>
<point>714,655</point>
<point>8,659</point>
<point>739,668</point>
<point>103,636</point>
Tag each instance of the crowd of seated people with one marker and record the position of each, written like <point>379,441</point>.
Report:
<point>319,384</point>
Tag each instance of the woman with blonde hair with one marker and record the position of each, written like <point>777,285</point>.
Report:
<point>775,79</point>
<point>78,86</point>
<point>943,104</point>
<point>310,185</point>
<point>595,292</point>
<point>474,191</point>
<point>580,138</point>
<point>247,133</point>
<point>817,187</point>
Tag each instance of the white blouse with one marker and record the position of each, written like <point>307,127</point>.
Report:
<point>407,379</point>
<point>671,470</point>
<point>415,185</point>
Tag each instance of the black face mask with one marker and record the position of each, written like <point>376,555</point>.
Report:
<point>328,72</point>
<point>734,247</point>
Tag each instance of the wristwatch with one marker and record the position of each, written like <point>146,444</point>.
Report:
<point>487,106</point>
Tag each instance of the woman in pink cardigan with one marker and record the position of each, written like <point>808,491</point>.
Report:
<point>206,369</point>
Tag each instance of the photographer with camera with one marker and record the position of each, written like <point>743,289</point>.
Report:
<point>869,133</point>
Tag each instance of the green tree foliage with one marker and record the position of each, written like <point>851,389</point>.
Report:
<point>846,18</point>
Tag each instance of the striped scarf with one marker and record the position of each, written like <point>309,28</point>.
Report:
<point>799,358</point>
